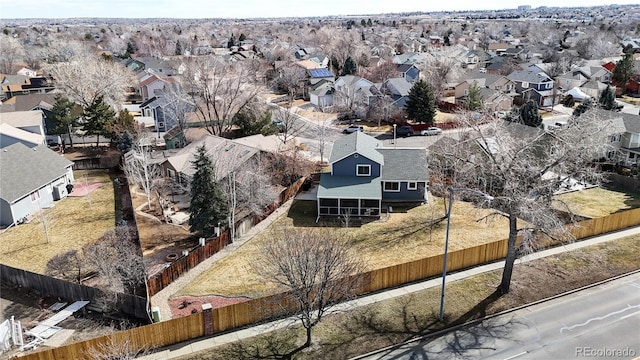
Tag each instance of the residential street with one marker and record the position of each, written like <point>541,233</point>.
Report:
<point>584,324</point>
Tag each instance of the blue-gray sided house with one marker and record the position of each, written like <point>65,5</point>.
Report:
<point>32,179</point>
<point>365,177</point>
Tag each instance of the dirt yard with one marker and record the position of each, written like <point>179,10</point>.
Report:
<point>30,308</point>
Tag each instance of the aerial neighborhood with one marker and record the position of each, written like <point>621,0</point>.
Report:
<point>166,181</point>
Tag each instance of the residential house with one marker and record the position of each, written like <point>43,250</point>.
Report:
<point>500,47</point>
<point>476,59</point>
<point>32,179</point>
<point>31,121</point>
<point>321,94</point>
<point>398,89</point>
<point>41,102</point>
<point>571,79</point>
<point>355,93</point>
<point>13,85</point>
<point>534,86</point>
<point>364,177</point>
<point>163,111</point>
<point>226,154</point>
<point>27,72</point>
<point>490,81</point>
<point>152,85</point>
<point>409,72</point>
<point>625,137</point>
<point>496,100</point>
<point>594,88</point>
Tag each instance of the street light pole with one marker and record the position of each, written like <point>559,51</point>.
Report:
<point>394,135</point>
<point>446,239</point>
<point>446,252</point>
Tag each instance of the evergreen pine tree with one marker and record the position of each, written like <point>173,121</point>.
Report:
<point>98,117</point>
<point>474,98</point>
<point>421,105</point>
<point>607,99</point>
<point>623,71</point>
<point>585,105</point>
<point>125,143</point>
<point>178,48</point>
<point>529,114</point>
<point>350,67</point>
<point>63,117</point>
<point>208,204</point>
<point>369,23</point>
<point>242,37</point>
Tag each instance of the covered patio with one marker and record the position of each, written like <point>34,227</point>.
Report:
<point>346,195</point>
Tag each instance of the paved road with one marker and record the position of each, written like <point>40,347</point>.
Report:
<point>593,323</point>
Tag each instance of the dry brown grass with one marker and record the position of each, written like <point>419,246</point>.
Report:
<point>401,237</point>
<point>72,223</point>
<point>598,202</point>
<point>365,329</point>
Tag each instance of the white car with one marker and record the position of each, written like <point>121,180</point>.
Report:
<point>431,131</point>
<point>352,128</point>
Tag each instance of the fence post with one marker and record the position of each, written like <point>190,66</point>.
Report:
<point>207,311</point>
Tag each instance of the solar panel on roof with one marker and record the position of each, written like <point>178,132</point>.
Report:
<point>322,72</point>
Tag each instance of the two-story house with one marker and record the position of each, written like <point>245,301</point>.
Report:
<point>365,177</point>
<point>534,86</point>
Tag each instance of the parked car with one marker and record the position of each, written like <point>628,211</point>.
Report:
<point>431,131</point>
<point>352,128</point>
<point>405,130</point>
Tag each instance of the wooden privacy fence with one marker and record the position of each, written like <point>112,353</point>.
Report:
<point>183,264</point>
<point>126,303</point>
<point>198,254</point>
<point>257,310</point>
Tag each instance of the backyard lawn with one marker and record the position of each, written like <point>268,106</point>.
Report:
<point>71,223</point>
<point>598,202</point>
<point>401,237</point>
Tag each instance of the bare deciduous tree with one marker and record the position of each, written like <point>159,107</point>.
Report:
<point>140,168</point>
<point>290,79</point>
<point>68,266</point>
<point>522,172</point>
<point>85,79</point>
<point>116,350</point>
<point>288,121</point>
<point>117,260</point>
<point>10,51</point>
<point>219,90</point>
<point>315,266</point>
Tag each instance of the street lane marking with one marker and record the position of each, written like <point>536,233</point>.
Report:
<point>516,355</point>
<point>630,315</point>
<point>569,328</point>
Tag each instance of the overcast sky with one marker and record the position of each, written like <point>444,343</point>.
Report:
<point>10,9</point>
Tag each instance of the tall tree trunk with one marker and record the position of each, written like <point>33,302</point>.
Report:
<point>70,139</point>
<point>511,255</point>
<point>308,342</point>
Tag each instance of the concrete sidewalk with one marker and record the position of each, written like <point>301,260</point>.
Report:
<point>199,345</point>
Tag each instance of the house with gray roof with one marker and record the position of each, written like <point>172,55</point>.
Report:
<point>364,177</point>
<point>398,89</point>
<point>32,179</point>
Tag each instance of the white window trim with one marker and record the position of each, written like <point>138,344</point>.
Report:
<point>363,165</point>
<point>391,182</point>
<point>412,185</point>
<point>525,84</point>
<point>35,196</point>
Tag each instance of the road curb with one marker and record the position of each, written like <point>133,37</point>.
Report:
<point>503,312</point>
